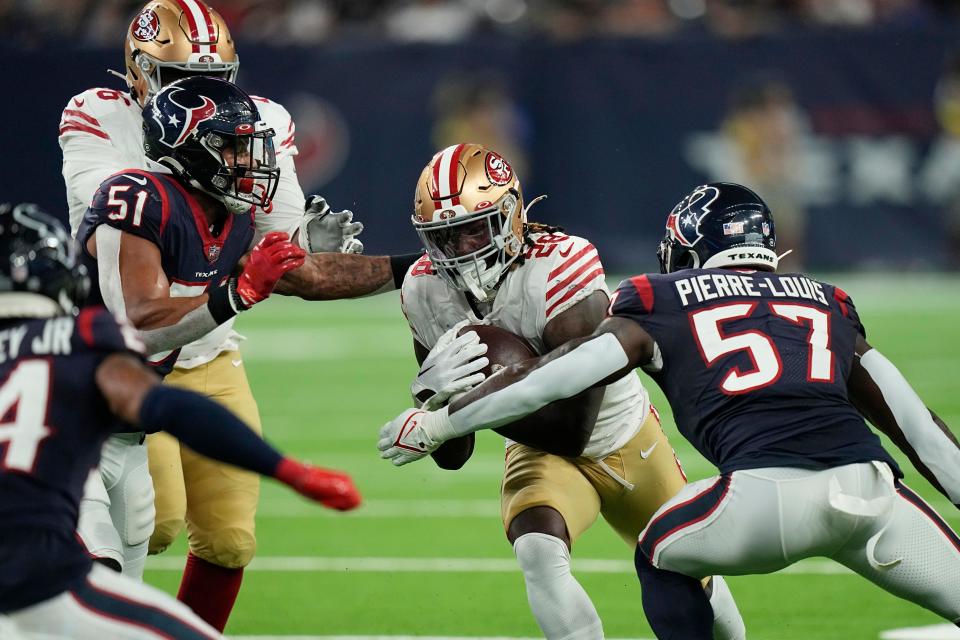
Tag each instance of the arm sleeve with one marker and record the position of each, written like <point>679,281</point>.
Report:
<point>566,376</point>
<point>207,428</point>
<point>934,448</point>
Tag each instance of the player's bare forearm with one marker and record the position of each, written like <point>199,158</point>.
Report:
<point>334,276</point>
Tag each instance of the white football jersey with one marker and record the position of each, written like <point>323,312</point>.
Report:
<point>559,271</point>
<point>101,134</point>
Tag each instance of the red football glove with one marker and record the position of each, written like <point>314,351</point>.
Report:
<point>273,256</point>
<point>333,489</point>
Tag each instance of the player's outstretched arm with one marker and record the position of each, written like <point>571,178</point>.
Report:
<point>618,346</point>
<point>134,285</point>
<point>880,392</point>
<point>135,394</point>
<point>335,276</point>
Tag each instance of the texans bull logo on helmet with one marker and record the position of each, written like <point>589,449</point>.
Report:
<point>189,116</point>
<point>684,220</point>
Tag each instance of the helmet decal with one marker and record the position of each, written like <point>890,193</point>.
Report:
<point>200,25</point>
<point>192,116</point>
<point>684,220</point>
<point>498,170</point>
<point>445,183</point>
<point>145,26</point>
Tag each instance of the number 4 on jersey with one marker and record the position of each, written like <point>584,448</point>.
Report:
<point>26,392</point>
<point>714,343</point>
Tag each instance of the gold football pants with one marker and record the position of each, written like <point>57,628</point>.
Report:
<point>216,501</point>
<point>581,488</point>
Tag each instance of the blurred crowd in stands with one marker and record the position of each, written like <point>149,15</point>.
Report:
<point>305,22</point>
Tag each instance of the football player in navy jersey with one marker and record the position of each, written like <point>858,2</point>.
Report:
<point>173,250</point>
<point>69,379</point>
<point>770,377</point>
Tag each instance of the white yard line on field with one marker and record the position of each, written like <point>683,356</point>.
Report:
<point>387,509</point>
<point>312,564</point>
<point>934,632</point>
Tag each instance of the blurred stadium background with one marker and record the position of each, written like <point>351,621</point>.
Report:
<point>843,114</point>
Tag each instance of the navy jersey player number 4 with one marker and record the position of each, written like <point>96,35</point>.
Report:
<point>771,378</point>
<point>69,378</point>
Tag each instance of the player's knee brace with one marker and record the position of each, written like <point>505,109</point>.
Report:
<point>558,602</point>
<point>230,547</point>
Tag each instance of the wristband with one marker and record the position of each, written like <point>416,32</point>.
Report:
<point>220,304</point>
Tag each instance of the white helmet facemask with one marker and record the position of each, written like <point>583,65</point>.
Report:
<point>472,251</point>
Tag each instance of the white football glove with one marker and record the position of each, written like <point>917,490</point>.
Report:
<point>450,369</point>
<point>325,231</point>
<point>404,439</point>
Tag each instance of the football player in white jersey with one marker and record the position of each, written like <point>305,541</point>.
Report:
<point>486,264</point>
<point>100,135</point>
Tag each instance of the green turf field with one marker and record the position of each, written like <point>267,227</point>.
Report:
<point>426,554</point>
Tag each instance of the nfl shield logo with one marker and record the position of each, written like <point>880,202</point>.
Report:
<point>213,252</point>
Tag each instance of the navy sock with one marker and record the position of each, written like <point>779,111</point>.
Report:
<point>675,605</point>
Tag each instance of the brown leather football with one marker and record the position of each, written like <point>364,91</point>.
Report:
<point>562,427</point>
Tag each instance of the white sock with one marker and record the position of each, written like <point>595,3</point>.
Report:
<point>727,621</point>
<point>561,606</point>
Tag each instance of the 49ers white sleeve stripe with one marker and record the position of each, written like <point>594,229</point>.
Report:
<point>67,113</point>
<point>570,273</point>
<point>67,127</point>
<point>579,285</point>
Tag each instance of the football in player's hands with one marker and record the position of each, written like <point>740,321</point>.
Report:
<point>561,428</point>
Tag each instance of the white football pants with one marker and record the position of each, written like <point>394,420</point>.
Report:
<point>762,520</point>
<point>109,606</point>
<point>117,510</point>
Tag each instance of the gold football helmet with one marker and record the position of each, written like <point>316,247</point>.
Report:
<point>170,39</point>
<point>469,213</point>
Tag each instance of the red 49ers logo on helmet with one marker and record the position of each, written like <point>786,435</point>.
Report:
<point>145,26</point>
<point>498,169</point>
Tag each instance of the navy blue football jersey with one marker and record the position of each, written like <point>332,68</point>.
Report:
<point>755,365</point>
<point>158,208</point>
<point>53,422</point>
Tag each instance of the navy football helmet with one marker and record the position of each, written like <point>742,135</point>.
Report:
<point>41,262</point>
<point>209,132</point>
<point>720,224</point>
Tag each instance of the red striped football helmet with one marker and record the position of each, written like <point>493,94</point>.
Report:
<point>171,39</point>
<point>469,213</point>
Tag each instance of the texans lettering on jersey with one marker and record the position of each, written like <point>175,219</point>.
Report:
<point>158,208</point>
<point>558,272</point>
<point>754,365</point>
<point>54,422</point>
